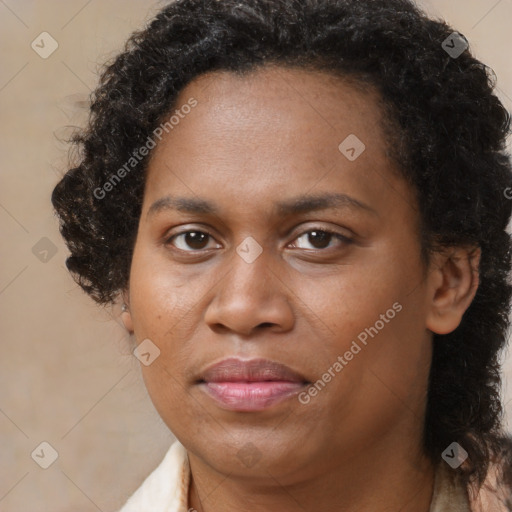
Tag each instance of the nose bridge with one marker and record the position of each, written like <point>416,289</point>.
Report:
<point>250,268</point>
<point>250,294</point>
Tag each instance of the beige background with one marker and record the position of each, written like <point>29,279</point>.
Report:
<point>66,374</point>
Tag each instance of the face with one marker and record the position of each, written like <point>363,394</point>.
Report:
<point>292,244</point>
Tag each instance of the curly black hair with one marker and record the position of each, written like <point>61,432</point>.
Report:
<point>447,132</point>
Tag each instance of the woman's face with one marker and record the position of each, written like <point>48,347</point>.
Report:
<point>257,277</point>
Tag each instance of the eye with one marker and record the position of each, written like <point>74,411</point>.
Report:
<point>195,239</point>
<point>320,238</point>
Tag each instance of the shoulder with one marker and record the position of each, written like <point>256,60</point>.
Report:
<point>496,492</point>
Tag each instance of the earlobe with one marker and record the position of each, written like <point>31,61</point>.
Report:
<point>453,283</point>
<point>126,316</point>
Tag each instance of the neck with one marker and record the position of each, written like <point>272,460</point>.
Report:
<point>369,481</point>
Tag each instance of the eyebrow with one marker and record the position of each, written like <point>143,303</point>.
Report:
<point>295,205</point>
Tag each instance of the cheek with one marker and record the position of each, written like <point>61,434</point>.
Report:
<point>382,373</point>
<point>372,316</point>
<point>158,296</point>
<point>165,307</point>
<point>169,396</point>
<point>161,308</point>
<point>352,299</point>
<point>386,356</point>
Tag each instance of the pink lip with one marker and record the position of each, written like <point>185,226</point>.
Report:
<point>250,396</point>
<point>250,385</point>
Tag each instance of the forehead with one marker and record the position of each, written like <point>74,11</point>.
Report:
<point>272,93</point>
<point>274,127</point>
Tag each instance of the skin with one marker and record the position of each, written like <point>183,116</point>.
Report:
<point>250,142</point>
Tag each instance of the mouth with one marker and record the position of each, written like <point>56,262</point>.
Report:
<point>250,385</point>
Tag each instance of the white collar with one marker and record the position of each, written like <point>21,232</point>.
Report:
<point>166,488</point>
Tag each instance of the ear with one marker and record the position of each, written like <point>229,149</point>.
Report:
<point>453,282</point>
<point>126,316</point>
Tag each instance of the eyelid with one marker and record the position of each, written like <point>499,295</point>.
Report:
<point>168,237</point>
<point>344,239</point>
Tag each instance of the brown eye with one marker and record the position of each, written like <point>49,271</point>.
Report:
<point>321,238</point>
<point>190,241</point>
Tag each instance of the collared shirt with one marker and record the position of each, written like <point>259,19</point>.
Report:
<point>166,488</point>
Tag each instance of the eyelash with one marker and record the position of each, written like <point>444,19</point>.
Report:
<point>343,239</point>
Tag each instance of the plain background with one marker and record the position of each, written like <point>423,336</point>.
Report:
<point>66,373</point>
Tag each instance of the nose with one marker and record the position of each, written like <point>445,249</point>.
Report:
<point>251,296</point>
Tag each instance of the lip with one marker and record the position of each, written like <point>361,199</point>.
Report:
<point>234,369</point>
<point>250,385</point>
